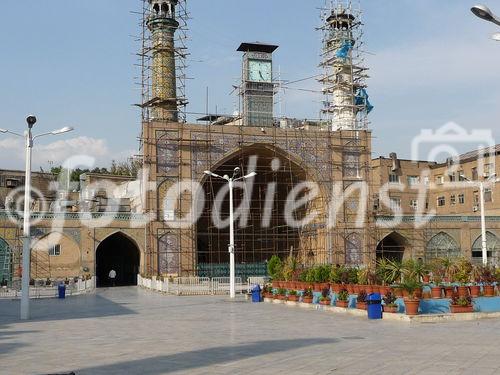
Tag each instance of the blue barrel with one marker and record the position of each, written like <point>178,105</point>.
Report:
<point>374,306</point>
<point>256,294</point>
<point>61,291</point>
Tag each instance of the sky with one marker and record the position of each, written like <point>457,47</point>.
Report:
<point>74,63</point>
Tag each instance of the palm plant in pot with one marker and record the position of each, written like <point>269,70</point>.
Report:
<point>460,304</point>
<point>275,270</point>
<point>475,278</point>
<point>462,275</point>
<point>390,305</point>
<point>336,273</point>
<point>281,294</point>
<point>343,299</point>
<point>361,300</point>
<point>325,297</point>
<point>307,296</point>
<point>488,278</point>
<point>412,302</point>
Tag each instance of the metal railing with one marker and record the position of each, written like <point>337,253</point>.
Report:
<point>196,286</point>
<point>74,289</point>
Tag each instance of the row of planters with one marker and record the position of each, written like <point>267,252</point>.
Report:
<point>458,280</point>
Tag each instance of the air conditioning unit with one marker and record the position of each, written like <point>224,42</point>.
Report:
<point>475,208</point>
<point>12,183</point>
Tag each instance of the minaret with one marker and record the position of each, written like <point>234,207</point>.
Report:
<point>347,103</point>
<point>163,25</point>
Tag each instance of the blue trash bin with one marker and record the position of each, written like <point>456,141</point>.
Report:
<point>256,294</point>
<point>61,289</point>
<point>374,306</point>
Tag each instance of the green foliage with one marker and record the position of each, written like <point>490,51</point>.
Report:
<point>290,268</point>
<point>390,299</point>
<point>411,286</point>
<point>413,269</point>
<point>343,295</point>
<point>352,277</point>
<point>275,267</point>
<point>292,293</point>
<point>462,271</point>
<point>336,273</point>
<point>362,296</point>
<point>308,292</point>
<point>321,273</point>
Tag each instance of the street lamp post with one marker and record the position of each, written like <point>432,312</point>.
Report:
<point>25,278</point>
<point>482,185</point>
<point>231,181</point>
<point>483,12</point>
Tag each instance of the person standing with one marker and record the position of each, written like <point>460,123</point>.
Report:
<point>112,277</point>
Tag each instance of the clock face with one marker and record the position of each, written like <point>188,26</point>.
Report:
<point>260,71</point>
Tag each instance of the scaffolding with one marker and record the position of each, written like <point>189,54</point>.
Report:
<point>145,55</point>
<point>346,103</point>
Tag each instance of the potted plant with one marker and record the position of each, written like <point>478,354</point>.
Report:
<point>412,302</point>
<point>267,291</point>
<point>460,304</point>
<point>321,277</point>
<point>293,296</point>
<point>336,273</point>
<point>462,275</point>
<point>475,278</point>
<point>275,270</point>
<point>343,299</point>
<point>281,294</point>
<point>307,297</point>
<point>325,297</point>
<point>361,300</point>
<point>390,305</point>
<point>289,271</point>
<point>488,278</point>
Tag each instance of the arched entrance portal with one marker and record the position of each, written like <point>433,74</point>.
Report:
<point>392,247</point>
<point>260,236</point>
<point>120,253</point>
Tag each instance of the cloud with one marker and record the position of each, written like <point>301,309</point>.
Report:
<point>12,150</point>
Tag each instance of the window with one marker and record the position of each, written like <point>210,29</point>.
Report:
<point>441,201</point>
<point>426,180</point>
<point>393,178</point>
<point>488,170</point>
<point>461,176</point>
<point>461,198</point>
<point>413,180</point>
<point>452,177</point>
<point>474,174</point>
<point>440,180</point>
<point>414,204</point>
<point>55,250</point>
<point>487,195</point>
<point>395,204</point>
<point>453,199</point>
<point>476,198</point>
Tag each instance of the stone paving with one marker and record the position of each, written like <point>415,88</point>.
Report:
<point>133,331</point>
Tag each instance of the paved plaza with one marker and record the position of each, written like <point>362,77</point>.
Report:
<point>133,331</point>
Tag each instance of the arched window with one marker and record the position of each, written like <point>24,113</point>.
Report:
<point>169,249</point>
<point>442,245</point>
<point>156,8</point>
<point>492,246</point>
<point>353,253</point>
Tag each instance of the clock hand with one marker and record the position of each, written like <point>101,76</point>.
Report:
<point>261,76</point>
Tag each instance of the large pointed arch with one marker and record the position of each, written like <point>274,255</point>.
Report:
<point>442,245</point>
<point>121,253</point>
<point>492,246</point>
<point>260,237</point>
<point>392,246</point>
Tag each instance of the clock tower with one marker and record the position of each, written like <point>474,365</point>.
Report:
<point>258,86</point>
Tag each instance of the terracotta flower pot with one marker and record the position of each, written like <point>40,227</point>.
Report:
<point>426,279</point>
<point>463,291</point>
<point>457,309</point>
<point>307,299</point>
<point>437,292</point>
<point>361,305</point>
<point>317,287</point>
<point>343,304</point>
<point>293,298</point>
<point>390,309</point>
<point>489,291</point>
<point>398,292</point>
<point>276,284</point>
<point>350,288</point>
<point>325,302</point>
<point>376,289</point>
<point>418,293</point>
<point>356,288</point>
<point>336,288</point>
<point>475,291</point>
<point>368,289</point>
<point>411,306</point>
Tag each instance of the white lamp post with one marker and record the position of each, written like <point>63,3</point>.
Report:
<point>25,279</point>
<point>231,180</point>
<point>483,12</point>
<point>482,185</point>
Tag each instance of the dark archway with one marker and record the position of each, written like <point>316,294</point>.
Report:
<point>392,247</point>
<point>120,253</point>
<point>257,240</point>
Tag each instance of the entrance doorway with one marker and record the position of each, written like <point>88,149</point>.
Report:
<point>119,253</point>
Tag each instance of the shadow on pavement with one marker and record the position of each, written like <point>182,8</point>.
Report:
<point>202,358</point>
<point>78,307</point>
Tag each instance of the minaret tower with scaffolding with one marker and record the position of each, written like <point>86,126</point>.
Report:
<point>162,24</point>
<point>346,104</point>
